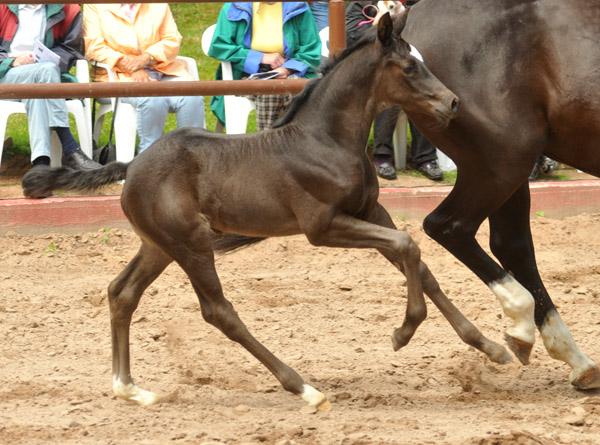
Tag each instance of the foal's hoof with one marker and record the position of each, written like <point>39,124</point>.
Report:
<point>520,348</point>
<point>400,339</point>
<point>133,393</point>
<point>500,355</point>
<point>325,406</point>
<point>589,379</point>
<point>315,398</point>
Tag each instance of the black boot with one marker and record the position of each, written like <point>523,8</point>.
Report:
<point>78,160</point>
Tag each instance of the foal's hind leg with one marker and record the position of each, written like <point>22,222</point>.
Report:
<point>511,243</point>
<point>463,327</point>
<point>124,294</point>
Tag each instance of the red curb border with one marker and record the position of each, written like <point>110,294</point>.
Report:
<point>90,213</point>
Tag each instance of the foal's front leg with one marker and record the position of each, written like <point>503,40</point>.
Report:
<point>463,327</point>
<point>398,246</point>
<point>195,255</point>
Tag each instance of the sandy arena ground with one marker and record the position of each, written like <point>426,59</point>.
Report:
<point>328,313</point>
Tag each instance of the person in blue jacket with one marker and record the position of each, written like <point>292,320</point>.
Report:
<point>266,37</point>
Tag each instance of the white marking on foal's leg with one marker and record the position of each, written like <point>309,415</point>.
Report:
<point>561,345</point>
<point>315,398</point>
<point>518,305</point>
<point>133,393</point>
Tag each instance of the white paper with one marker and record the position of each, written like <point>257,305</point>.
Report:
<point>41,53</point>
<point>267,75</point>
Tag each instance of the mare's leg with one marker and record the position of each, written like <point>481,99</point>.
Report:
<point>188,240</point>
<point>463,327</point>
<point>511,243</point>
<point>454,224</point>
<point>124,294</point>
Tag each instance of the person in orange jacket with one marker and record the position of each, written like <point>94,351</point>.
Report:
<point>140,41</point>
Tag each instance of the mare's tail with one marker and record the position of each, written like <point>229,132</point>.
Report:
<point>229,242</point>
<point>41,181</point>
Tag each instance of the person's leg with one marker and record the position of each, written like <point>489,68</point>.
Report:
<point>188,109</point>
<point>151,118</point>
<point>320,11</point>
<point>268,108</point>
<point>37,109</point>
<point>383,133</point>
<point>424,155</point>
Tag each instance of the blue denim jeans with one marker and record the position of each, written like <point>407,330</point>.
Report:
<point>321,12</point>
<point>42,114</point>
<point>152,114</point>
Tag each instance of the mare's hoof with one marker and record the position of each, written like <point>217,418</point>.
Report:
<point>520,348</point>
<point>590,379</point>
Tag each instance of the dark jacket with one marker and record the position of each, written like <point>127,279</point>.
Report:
<point>354,15</point>
<point>63,34</point>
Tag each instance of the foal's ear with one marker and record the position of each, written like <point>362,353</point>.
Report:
<point>385,27</point>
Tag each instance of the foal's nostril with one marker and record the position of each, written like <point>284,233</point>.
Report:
<point>454,105</point>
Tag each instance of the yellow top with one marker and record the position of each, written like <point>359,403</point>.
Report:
<point>267,27</point>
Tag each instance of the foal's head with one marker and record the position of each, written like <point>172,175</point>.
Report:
<point>403,80</point>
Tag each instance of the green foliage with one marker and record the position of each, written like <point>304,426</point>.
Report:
<point>540,213</point>
<point>51,248</point>
<point>105,238</point>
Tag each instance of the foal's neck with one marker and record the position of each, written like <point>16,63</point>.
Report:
<point>343,105</point>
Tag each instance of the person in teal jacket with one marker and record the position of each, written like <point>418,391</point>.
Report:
<point>247,37</point>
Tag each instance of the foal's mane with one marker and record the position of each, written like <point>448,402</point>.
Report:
<point>323,71</point>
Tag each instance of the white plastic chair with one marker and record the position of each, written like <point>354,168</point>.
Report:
<point>80,109</point>
<point>237,108</point>
<point>126,123</point>
<point>324,35</point>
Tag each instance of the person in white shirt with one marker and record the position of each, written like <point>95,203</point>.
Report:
<point>58,27</point>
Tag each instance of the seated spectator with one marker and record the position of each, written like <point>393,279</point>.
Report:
<point>59,28</point>
<point>266,36</point>
<point>359,17</point>
<point>140,41</point>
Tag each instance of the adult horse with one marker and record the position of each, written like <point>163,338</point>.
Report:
<point>527,74</point>
<point>193,184</point>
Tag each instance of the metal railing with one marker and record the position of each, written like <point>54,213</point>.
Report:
<point>337,41</point>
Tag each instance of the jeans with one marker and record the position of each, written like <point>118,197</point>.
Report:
<point>320,11</point>
<point>152,114</point>
<point>42,114</point>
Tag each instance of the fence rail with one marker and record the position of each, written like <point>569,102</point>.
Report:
<point>337,41</point>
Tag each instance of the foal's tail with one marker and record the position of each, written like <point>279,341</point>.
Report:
<point>229,242</point>
<point>41,181</point>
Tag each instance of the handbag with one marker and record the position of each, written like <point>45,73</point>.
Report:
<point>108,152</point>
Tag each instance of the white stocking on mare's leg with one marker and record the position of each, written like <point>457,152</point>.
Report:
<point>512,243</point>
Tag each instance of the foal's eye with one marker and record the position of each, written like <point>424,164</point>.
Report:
<point>407,69</point>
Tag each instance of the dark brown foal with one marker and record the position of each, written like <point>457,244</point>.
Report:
<point>193,185</point>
